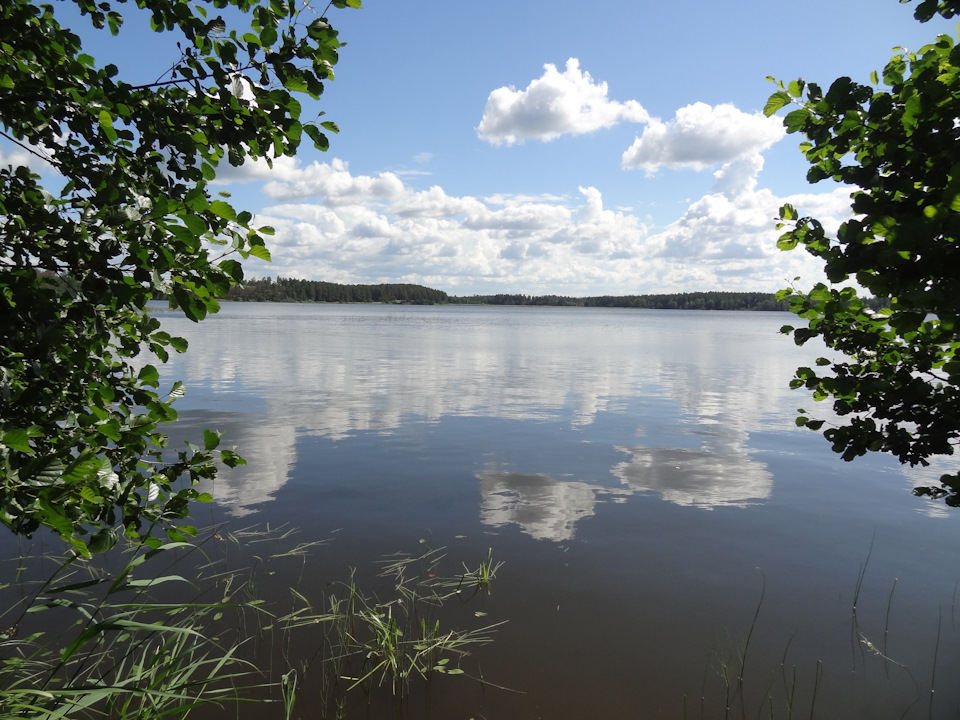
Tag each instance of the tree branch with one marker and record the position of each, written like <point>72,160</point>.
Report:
<point>51,160</point>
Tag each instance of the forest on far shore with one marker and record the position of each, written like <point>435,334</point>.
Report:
<point>297,290</point>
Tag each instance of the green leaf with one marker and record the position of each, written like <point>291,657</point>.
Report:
<point>320,140</point>
<point>775,102</point>
<point>795,120</point>
<point>787,241</point>
<point>268,36</point>
<point>54,518</point>
<point>233,269</point>
<point>102,540</point>
<point>195,224</point>
<point>260,251</point>
<point>149,376</point>
<point>911,112</point>
<point>223,209</point>
<point>110,429</point>
<point>196,200</point>
<point>106,125</point>
<point>128,217</point>
<point>19,439</point>
<point>114,21</point>
<point>211,439</point>
<point>231,459</point>
<point>295,83</point>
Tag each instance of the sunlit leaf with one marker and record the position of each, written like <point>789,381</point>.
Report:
<point>775,102</point>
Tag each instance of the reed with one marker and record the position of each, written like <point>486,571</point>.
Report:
<point>143,642</point>
<point>912,685</point>
<point>102,644</point>
<point>480,578</point>
<point>371,642</point>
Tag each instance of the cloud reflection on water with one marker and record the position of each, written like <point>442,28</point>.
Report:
<point>268,448</point>
<point>335,371</point>
<point>548,509</point>
<point>543,507</point>
<point>695,477</point>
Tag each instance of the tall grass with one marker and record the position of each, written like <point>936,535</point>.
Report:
<point>87,642</point>
<point>371,642</point>
<point>174,627</point>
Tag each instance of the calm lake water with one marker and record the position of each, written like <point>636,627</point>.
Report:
<point>640,475</point>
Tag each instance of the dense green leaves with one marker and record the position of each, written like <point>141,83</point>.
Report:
<point>897,387</point>
<point>926,9</point>
<point>124,215</point>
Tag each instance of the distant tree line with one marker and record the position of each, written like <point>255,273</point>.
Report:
<point>694,301</point>
<point>296,290</point>
<point>671,301</point>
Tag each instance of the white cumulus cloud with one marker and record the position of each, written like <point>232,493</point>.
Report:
<point>568,245</point>
<point>333,183</point>
<point>728,238</point>
<point>30,156</point>
<point>433,203</point>
<point>700,136</point>
<point>554,104</point>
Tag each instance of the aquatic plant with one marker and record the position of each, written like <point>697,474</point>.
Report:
<point>370,642</point>
<point>480,578</point>
<point>86,642</point>
<point>142,641</point>
<point>787,692</point>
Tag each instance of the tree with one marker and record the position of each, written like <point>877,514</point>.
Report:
<point>897,388</point>
<point>132,216</point>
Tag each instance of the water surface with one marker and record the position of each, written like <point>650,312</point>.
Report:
<point>640,474</point>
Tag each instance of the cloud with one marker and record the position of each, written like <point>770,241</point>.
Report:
<point>433,203</point>
<point>701,136</point>
<point>256,170</point>
<point>554,104</point>
<point>433,238</point>
<point>529,218</point>
<point>732,221</point>
<point>336,226</point>
<point>727,238</point>
<point>16,157</point>
<point>518,199</point>
<point>738,176</point>
<point>333,184</point>
<point>31,156</point>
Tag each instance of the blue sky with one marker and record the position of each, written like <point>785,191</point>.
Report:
<point>553,147</point>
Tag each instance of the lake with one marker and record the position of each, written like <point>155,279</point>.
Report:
<point>638,473</point>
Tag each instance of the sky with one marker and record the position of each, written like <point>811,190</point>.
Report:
<point>607,148</point>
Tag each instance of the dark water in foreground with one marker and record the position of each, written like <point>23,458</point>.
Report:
<point>638,472</point>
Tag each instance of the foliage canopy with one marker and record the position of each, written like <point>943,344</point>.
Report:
<point>897,387</point>
<point>128,215</point>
